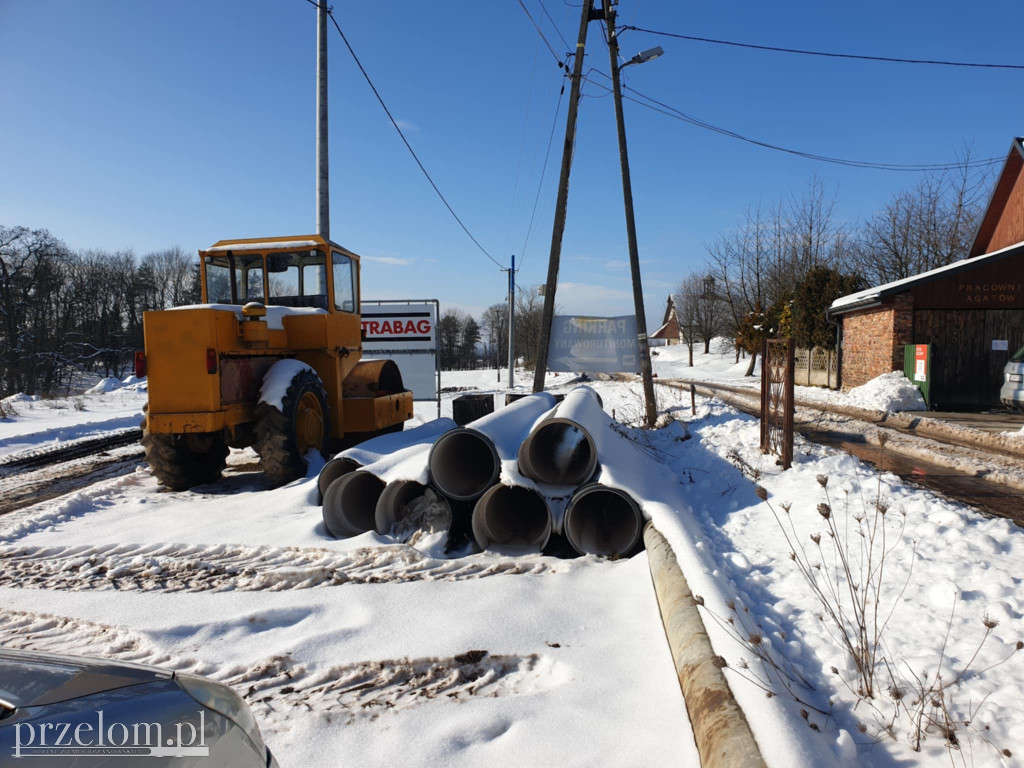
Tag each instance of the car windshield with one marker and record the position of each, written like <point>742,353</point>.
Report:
<point>1018,356</point>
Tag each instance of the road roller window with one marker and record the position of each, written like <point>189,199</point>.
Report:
<point>345,297</point>
<point>218,280</point>
<point>233,278</point>
<point>297,279</point>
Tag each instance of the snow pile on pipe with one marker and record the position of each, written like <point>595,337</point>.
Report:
<point>376,448</point>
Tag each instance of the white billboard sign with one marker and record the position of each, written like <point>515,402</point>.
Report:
<point>593,344</point>
<point>406,332</point>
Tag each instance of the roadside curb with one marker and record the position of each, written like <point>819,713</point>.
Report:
<point>720,728</point>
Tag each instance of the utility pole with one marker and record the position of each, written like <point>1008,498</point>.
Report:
<point>323,191</point>
<point>512,323</point>
<point>561,203</point>
<point>651,408</point>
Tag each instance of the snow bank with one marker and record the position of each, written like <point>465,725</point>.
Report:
<point>108,384</point>
<point>889,392</point>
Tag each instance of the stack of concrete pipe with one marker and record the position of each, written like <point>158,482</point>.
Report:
<point>529,471</point>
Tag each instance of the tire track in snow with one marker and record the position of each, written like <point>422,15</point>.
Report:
<point>201,568</point>
<point>277,686</point>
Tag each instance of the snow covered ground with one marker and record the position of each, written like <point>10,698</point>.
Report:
<point>366,651</point>
<point>890,392</point>
<point>33,423</point>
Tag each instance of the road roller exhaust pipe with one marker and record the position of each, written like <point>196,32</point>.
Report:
<point>603,521</point>
<point>350,504</point>
<point>512,519</point>
<point>561,450</point>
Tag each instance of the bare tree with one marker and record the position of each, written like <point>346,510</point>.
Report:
<point>927,226</point>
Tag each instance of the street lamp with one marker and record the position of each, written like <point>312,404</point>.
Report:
<point>644,56</point>
<point>650,404</point>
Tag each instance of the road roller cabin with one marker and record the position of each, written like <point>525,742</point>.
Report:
<point>271,359</point>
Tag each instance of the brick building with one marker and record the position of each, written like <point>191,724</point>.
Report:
<point>971,312</point>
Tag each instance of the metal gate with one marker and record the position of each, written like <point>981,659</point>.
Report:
<point>777,405</point>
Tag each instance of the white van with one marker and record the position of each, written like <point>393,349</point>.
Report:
<point>1012,392</point>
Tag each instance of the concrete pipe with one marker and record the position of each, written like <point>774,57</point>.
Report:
<point>333,469</point>
<point>603,521</point>
<point>350,503</point>
<point>464,463</point>
<point>512,519</point>
<point>561,450</point>
<point>406,506</point>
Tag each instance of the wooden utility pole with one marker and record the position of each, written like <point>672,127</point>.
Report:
<point>512,323</point>
<point>323,191</point>
<point>541,367</point>
<point>650,404</point>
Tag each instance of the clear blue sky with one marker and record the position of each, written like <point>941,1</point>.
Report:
<point>138,124</point>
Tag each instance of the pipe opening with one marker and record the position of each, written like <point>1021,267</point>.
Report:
<point>463,464</point>
<point>406,506</point>
<point>332,470</point>
<point>350,503</point>
<point>603,521</point>
<point>561,453</point>
<point>511,519</point>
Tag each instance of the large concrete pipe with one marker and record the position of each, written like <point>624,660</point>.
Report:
<point>603,521</point>
<point>333,469</point>
<point>406,506</point>
<point>512,519</point>
<point>561,450</point>
<point>350,503</point>
<point>466,462</point>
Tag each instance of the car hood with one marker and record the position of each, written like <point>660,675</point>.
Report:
<point>33,679</point>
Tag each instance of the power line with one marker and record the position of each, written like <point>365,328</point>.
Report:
<point>402,135</point>
<point>553,24</point>
<point>676,114</point>
<point>537,27</point>
<point>827,54</point>
<point>670,111</point>
<point>543,170</point>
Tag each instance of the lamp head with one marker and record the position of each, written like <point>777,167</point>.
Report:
<point>649,55</point>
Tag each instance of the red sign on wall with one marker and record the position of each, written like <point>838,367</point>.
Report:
<point>920,362</point>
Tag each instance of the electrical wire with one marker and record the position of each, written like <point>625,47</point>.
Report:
<point>670,111</point>
<point>553,24</point>
<point>539,31</point>
<point>522,145</point>
<point>540,184</point>
<point>827,54</point>
<point>408,146</point>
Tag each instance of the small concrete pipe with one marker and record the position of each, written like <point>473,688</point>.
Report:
<point>466,462</point>
<point>350,503</point>
<point>561,450</point>
<point>406,506</point>
<point>333,469</point>
<point>603,521</point>
<point>512,519</point>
